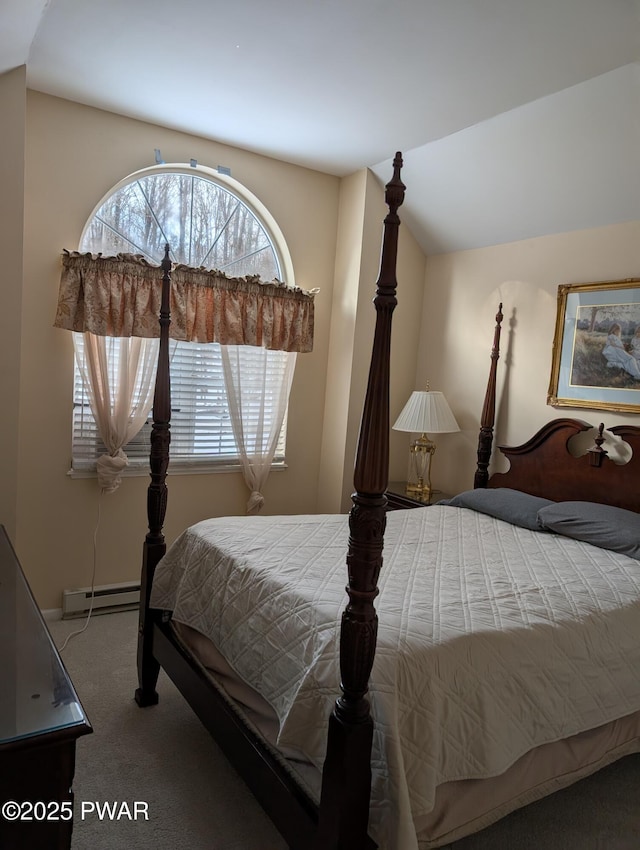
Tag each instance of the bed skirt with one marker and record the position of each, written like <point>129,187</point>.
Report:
<point>462,807</point>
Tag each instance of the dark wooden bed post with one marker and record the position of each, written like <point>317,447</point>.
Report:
<point>485,438</point>
<point>154,544</point>
<point>346,779</point>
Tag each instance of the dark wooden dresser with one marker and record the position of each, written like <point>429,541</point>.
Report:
<point>40,720</point>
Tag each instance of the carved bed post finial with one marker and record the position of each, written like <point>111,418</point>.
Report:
<point>154,544</point>
<point>346,785</point>
<point>597,454</point>
<point>160,430</point>
<point>485,437</point>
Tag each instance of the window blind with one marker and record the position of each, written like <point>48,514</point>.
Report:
<point>201,429</point>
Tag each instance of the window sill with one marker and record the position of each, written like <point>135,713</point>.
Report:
<point>177,468</point>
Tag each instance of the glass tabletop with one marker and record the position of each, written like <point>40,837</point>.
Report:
<point>400,487</point>
<point>36,693</point>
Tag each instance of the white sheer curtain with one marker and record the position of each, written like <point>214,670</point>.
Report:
<point>119,375</point>
<point>258,382</point>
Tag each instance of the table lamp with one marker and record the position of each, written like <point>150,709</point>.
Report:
<point>426,412</point>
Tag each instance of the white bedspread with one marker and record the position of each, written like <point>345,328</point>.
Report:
<point>492,639</point>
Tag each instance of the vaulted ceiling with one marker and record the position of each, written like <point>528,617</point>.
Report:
<point>516,118</point>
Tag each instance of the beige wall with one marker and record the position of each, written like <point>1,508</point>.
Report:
<point>344,311</point>
<point>405,343</point>
<point>443,329</point>
<point>12,137</point>
<point>74,155</point>
<point>360,229</point>
<point>462,294</point>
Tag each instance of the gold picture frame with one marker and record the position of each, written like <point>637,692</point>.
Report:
<point>593,361</point>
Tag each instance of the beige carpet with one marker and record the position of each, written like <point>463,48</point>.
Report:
<point>163,756</point>
<point>160,755</point>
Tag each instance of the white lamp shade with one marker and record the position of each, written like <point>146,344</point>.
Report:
<point>426,412</point>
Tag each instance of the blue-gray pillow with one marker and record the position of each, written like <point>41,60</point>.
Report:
<point>601,525</point>
<point>512,506</point>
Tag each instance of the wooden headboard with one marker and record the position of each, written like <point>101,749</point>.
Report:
<point>544,466</point>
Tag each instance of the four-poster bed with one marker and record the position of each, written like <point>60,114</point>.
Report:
<point>397,762</point>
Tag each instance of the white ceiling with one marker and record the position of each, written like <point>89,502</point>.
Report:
<point>516,117</point>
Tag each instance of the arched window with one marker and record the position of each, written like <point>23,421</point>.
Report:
<point>209,220</point>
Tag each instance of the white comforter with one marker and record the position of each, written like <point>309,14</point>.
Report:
<point>492,639</point>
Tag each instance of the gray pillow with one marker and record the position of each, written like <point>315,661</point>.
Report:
<point>601,525</point>
<point>503,503</point>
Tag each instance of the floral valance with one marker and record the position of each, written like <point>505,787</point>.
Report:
<point>120,296</point>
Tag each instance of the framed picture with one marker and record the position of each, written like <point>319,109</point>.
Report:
<point>596,346</point>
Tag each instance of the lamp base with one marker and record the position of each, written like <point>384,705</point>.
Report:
<point>421,453</point>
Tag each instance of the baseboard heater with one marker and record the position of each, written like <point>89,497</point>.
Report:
<point>106,599</point>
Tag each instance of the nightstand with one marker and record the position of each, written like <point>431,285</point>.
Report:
<point>397,498</point>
